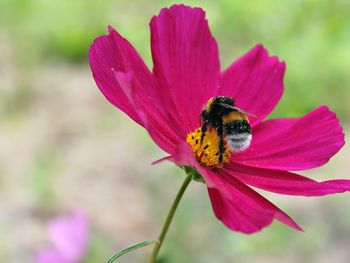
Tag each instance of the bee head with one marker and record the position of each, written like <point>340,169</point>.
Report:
<point>222,100</point>
<point>214,102</point>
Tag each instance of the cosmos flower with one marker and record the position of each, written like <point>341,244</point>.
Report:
<point>168,101</point>
<point>69,237</point>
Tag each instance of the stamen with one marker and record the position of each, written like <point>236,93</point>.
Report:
<point>207,152</point>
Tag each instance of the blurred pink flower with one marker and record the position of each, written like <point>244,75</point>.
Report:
<point>69,237</point>
<point>168,101</point>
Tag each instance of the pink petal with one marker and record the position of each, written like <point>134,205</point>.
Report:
<point>127,83</point>
<point>50,256</point>
<point>112,53</point>
<point>70,236</point>
<point>235,204</point>
<point>157,125</point>
<point>242,209</point>
<point>283,182</point>
<point>255,82</point>
<point>294,144</point>
<point>163,159</point>
<point>186,62</point>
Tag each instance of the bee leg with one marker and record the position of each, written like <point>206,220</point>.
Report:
<point>204,129</point>
<point>220,132</point>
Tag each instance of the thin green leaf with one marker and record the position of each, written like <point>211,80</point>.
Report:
<point>128,249</point>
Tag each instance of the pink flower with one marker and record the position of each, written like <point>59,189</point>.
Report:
<point>69,236</point>
<point>168,102</point>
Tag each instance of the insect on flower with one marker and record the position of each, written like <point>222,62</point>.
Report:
<point>212,121</point>
<point>231,126</point>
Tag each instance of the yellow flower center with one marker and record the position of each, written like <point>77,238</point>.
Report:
<point>207,153</point>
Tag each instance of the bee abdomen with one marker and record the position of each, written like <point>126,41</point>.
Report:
<point>238,134</point>
<point>239,142</point>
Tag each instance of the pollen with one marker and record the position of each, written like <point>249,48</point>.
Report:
<point>207,153</point>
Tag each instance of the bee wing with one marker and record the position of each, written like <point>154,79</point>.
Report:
<point>238,109</point>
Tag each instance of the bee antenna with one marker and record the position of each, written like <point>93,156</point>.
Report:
<point>248,113</point>
<point>238,109</point>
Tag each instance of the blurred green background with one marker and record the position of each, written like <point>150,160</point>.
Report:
<point>62,145</point>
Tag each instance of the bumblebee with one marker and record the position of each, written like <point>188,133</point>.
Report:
<point>231,124</point>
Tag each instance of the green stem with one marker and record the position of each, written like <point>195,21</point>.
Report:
<point>169,218</point>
